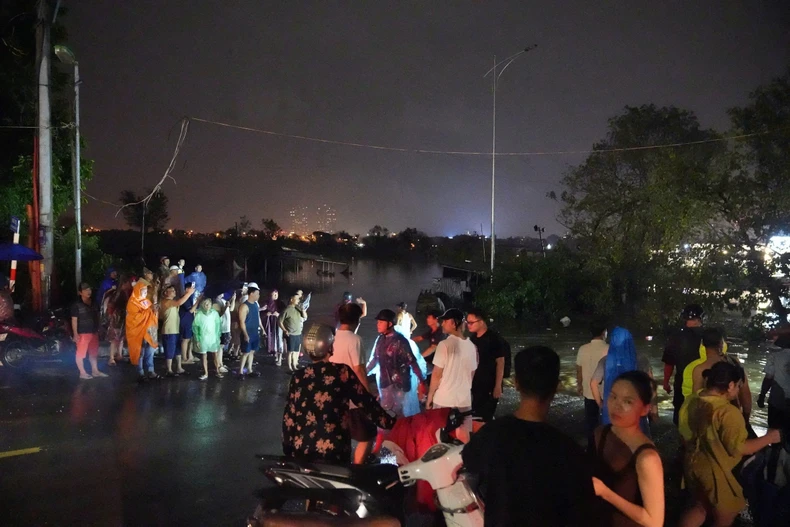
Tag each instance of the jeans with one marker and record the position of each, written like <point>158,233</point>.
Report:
<point>592,414</point>
<point>146,358</point>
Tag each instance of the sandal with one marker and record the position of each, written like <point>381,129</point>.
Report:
<point>153,376</point>
<point>171,374</point>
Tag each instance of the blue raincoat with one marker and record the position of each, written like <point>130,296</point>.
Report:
<point>105,286</point>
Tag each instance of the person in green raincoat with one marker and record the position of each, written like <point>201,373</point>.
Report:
<point>207,333</point>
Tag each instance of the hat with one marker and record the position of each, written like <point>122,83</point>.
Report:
<point>174,268</point>
<point>253,285</point>
<point>83,286</point>
<point>386,315</point>
<point>453,314</point>
<point>162,259</point>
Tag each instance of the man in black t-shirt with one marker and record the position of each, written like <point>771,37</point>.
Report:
<point>433,335</point>
<point>491,350</point>
<point>531,473</point>
<point>682,349</point>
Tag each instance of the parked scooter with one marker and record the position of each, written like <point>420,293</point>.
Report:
<point>323,493</point>
<point>43,339</point>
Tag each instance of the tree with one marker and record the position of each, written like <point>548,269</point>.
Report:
<point>632,209</point>
<point>18,100</point>
<point>244,224</point>
<point>378,231</point>
<point>271,229</point>
<point>750,196</point>
<point>156,215</point>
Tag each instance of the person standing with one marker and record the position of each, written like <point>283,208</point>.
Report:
<point>198,278</point>
<point>207,329</point>
<point>393,362</point>
<point>85,331</point>
<point>225,308</point>
<point>404,323</point>
<point>164,269</point>
<point>174,280</point>
<point>171,328</point>
<point>142,331</point>
<point>716,440</point>
<point>629,473</point>
<point>529,472</point>
<point>249,322</point>
<point>488,378</point>
<point>114,310</point>
<point>454,368</point>
<point>110,282</point>
<point>292,322</point>
<point>433,336</point>
<point>683,348</point>
<point>777,381</point>
<point>587,360</point>
<point>347,350</point>
<point>270,314</point>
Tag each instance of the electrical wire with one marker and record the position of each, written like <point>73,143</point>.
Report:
<point>472,153</point>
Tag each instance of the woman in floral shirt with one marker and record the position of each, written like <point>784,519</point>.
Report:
<point>316,418</point>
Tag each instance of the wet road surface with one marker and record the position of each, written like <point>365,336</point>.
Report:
<point>172,451</point>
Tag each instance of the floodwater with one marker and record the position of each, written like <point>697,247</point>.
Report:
<point>383,284</point>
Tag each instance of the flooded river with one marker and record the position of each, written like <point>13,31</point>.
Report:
<point>383,284</point>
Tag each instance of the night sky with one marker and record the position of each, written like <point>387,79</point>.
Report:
<point>403,74</point>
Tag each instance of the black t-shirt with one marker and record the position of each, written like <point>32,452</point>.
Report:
<point>681,350</point>
<point>531,474</point>
<point>490,347</point>
<point>433,338</point>
<point>87,317</point>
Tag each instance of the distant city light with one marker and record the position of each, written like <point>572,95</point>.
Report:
<point>548,247</point>
<point>449,237</point>
<point>360,244</point>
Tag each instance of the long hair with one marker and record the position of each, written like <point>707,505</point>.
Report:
<point>620,359</point>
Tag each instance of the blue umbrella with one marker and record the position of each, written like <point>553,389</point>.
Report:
<point>15,251</point>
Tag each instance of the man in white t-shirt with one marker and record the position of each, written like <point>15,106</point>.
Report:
<point>347,349</point>
<point>454,365</point>
<point>586,361</point>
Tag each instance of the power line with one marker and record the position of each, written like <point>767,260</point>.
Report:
<point>471,153</point>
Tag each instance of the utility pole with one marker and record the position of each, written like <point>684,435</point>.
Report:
<point>43,52</point>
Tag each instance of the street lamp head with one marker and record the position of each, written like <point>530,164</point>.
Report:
<point>65,55</point>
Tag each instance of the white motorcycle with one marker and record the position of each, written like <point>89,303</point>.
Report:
<point>324,495</point>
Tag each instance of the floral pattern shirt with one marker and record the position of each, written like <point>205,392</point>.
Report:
<point>316,417</point>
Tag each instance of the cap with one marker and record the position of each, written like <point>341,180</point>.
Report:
<point>453,314</point>
<point>386,315</point>
<point>162,259</point>
<point>174,268</point>
<point>692,311</point>
<point>83,286</point>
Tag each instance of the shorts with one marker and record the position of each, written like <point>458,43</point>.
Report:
<point>186,325</point>
<point>294,342</point>
<point>361,428</point>
<point>225,341</point>
<point>252,345</point>
<point>170,343</point>
<point>87,344</point>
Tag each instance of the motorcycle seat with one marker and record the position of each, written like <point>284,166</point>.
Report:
<point>314,520</point>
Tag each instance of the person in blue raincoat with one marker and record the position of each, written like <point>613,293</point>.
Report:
<point>199,279</point>
<point>110,281</point>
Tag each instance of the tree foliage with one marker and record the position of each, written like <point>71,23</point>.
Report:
<point>271,229</point>
<point>151,216</point>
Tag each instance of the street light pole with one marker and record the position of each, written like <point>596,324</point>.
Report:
<point>495,78</point>
<point>66,56</point>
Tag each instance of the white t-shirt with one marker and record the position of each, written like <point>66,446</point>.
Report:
<point>347,350</point>
<point>404,324</point>
<point>588,357</point>
<point>458,360</point>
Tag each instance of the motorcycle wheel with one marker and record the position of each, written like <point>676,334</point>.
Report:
<point>14,355</point>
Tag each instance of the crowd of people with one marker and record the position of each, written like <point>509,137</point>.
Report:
<point>528,471</point>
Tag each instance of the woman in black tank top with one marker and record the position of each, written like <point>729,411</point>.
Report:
<point>629,474</point>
